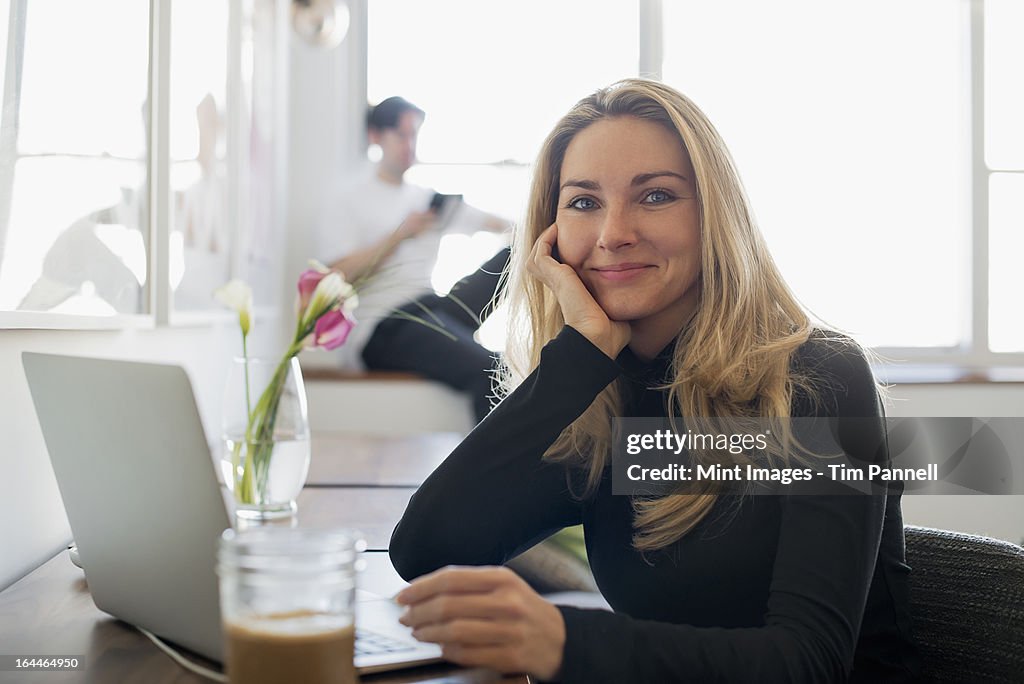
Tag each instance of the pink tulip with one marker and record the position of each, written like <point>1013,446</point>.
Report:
<point>332,330</point>
<point>307,284</point>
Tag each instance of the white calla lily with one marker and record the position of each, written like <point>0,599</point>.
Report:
<point>318,266</point>
<point>237,295</point>
<point>350,304</point>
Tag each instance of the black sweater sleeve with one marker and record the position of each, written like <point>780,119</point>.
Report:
<point>820,580</point>
<point>494,496</point>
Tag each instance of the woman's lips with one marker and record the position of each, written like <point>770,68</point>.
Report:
<point>620,272</point>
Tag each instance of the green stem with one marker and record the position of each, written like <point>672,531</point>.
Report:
<point>259,440</point>
<point>259,429</point>
<point>245,361</point>
<point>236,454</point>
<point>244,492</point>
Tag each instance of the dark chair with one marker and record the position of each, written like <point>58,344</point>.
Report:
<point>967,606</point>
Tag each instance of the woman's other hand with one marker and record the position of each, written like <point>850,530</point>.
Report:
<point>579,308</point>
<point>486,617</point>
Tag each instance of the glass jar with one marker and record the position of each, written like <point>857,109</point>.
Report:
<point>287,599</point>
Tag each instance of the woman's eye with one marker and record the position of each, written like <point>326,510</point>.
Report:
<point>658,197</point>
<point>582,203</point>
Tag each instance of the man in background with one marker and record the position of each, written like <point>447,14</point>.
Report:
<point>383,234</point>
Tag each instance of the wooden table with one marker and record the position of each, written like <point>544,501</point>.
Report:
<point>374,474</point>
<point>50,610</point>
<point>344,459</point>
<point>374,511</point>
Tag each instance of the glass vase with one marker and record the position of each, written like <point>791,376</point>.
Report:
<point>265,434</point>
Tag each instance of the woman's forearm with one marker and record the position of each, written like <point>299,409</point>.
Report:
<point>495,496</point>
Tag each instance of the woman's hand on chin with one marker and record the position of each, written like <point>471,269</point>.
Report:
<point>579,308</point>
<point>486,617</point>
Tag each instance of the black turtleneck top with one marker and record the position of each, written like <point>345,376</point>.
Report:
<point>801,588</point>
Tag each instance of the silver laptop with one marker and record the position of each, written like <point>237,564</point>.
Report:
<point>140,490</point>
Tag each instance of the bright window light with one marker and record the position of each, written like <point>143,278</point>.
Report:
<point>1004,97</point>
<point>848,122</point>
<point>493,79</point>
<point>1006,278</point>
<point>73,240</point>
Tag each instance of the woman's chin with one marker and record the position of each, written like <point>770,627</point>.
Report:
<point>624,314</point>
<point>625,309</point>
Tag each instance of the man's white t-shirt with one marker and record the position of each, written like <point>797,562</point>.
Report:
<point>362,210</point>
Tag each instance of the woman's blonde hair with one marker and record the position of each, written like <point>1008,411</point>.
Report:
<point>733,359</point>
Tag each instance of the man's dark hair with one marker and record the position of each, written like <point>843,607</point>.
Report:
<point>389,111</point>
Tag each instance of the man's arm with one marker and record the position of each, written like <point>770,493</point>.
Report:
<point>496,224</point>
<point>364,262</point>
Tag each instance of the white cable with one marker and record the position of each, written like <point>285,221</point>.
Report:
<point>181,660</point>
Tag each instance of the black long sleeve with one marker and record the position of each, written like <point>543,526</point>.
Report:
<point>494,497</point>
<point>801,588</point>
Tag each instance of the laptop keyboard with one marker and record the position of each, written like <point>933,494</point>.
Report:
<point>371,643</point>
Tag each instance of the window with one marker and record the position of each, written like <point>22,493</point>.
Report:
<point>493,79</point>
<point>73,181</point>
<point>137,175</point>
<point>1004,169</point>
<point>857,161</point>
<point>879,140</point>
<point>201,238</point>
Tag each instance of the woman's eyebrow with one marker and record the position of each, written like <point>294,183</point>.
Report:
<point>581,183</point>
<point>639,179</point>
<point>647,177</point>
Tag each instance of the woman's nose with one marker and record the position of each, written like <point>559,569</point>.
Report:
<point>617,230</point>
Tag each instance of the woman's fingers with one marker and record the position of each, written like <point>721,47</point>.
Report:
<point>561,278</point>
<point>486,616</point>
<point>546,267</point>
<point>546,241</point>
<point>579,308</point>
<point>470,632</point>
<point>455,579</point>
<point>444,607</point>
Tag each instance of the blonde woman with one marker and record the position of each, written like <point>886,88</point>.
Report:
<point>640,286</point>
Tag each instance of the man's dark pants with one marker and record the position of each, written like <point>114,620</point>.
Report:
<point>455,359</point>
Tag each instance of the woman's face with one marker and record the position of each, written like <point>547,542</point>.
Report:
<point>629,224</point>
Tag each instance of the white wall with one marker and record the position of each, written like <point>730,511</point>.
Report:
<point>327,106</point>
